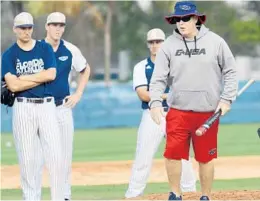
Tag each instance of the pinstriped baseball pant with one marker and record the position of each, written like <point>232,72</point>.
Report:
<point>35,128</point>
<point>149,138</point>
<point>66,126</point>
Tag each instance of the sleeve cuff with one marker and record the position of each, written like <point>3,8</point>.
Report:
<point>226,101</point>
<point>141,85</point>
<point>155,103</point>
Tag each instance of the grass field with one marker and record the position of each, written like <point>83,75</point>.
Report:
<point>119,144</point>
<point>117,191</point>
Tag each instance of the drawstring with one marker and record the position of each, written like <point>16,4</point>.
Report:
<point>195,40</point>
<point>186,46</point>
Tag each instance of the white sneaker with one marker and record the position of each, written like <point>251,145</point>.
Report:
<point>131,194</point>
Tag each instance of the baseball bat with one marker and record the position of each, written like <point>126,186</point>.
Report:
<point>203,129</point>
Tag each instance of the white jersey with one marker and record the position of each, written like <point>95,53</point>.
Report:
<point>142,75</point>
<point>142,72</point>
<point>79,62</point>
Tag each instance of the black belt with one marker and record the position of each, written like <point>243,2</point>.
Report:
<point>34,100</point>
<point>60,102</point>
<point>165,109</point>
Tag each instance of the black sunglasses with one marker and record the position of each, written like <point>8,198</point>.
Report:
<point>184,19</point>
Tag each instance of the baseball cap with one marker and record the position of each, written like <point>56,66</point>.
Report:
<point>56,17</point>
<point>155,34</point>
<point>23,19</point>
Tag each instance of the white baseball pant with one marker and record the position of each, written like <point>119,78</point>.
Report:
<point>149,138</point>
<point>66,126</point>
<point>35,129</point>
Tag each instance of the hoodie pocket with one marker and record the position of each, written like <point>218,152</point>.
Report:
<point>194,100</point>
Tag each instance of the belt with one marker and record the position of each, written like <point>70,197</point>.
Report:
<point>60,102</point>
<point>165,109</point>
<point>34,100</point>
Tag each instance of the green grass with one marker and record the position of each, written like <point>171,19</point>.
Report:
<point>119,144</point>
<point>117,191</point>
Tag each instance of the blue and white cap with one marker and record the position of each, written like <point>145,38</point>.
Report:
<point>185,8</point>
<point>23,19</point>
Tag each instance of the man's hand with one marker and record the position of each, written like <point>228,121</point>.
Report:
<point>157,114</point>
<point>224,106</point>
<point>164,96</point>
<point>73,99</point>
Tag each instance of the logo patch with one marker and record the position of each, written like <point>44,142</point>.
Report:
<point>192,52</point>
<point>212,151</point>
<point>185,7</point>
<point>63,58</point>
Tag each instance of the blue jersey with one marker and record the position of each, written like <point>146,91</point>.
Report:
<point>20,62</point>
<point>142,77</point>
<point>68,56</point>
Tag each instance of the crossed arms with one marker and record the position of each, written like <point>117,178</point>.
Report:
<point>24,82</point>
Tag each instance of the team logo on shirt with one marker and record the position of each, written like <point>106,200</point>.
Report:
<point>29,67</point>
<point>63,58</point>
<point>192,52</point>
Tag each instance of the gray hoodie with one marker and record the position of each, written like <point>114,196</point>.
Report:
<point>200,72</point>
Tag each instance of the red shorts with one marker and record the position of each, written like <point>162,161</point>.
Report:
<point>180,129</point>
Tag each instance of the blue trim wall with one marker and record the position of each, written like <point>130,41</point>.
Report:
<point>119,106</point>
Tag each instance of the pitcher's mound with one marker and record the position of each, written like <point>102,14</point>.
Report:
<point>219,195</point>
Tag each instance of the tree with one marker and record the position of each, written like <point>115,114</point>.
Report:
<point>107,40</point>
<point>17,7</point>
<point>74,9</point>
<point>70,8</point>
<point>254,6</point>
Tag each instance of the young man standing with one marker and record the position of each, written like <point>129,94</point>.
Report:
<point>27,67</point>
<point>68,57</point>
<point>196,61</point>
<point>150,134</point>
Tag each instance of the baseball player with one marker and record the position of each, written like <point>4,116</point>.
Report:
<point>150,134</point>
<point>68,57</point>
<point>27,67</point>
<point>203,74</point>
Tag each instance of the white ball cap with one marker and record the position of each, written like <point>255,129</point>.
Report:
<point>23,19</point>
<point>56,17</point>
<point>155,34</point>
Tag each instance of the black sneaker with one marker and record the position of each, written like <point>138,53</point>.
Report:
<point>172,196</point>
<point>204,197</point>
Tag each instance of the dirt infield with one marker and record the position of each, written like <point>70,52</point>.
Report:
<point>100,173</point>
<point>220,195</point>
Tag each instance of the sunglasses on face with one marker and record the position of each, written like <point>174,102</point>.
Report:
<point>184,19</point>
